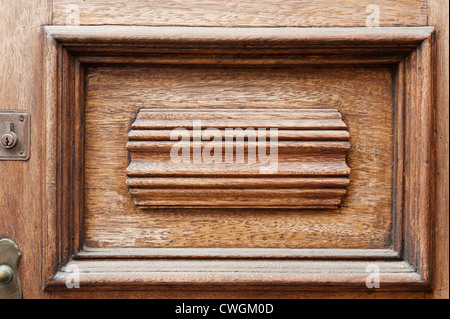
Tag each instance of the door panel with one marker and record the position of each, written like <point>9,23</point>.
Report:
<point>72,207</point>
<point>99,78</point>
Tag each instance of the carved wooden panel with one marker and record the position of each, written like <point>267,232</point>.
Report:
<point>292,158</point>
<point>97,80</point>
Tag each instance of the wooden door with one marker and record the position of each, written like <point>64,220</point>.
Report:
<point>353,205</point>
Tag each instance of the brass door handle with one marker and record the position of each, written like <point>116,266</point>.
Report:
<point>10,287</point>
<point>6,274</point>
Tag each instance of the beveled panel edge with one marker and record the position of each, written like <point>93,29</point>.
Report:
<point>146,34</point>
<point>199,45</point>
<point>297,13</point>
<point>287,275</point>
<point>237,253</point>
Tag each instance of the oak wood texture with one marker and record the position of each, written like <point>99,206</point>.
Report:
<point>21,187</point>
<point>310,173</point>
<point>438,16</point>
<point>406,49</point>
<point>293,13</point>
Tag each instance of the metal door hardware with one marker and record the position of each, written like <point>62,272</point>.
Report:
<point>14,135</point>
<point>9,138</point>
<point>10,287</point>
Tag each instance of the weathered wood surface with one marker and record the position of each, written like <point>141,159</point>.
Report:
<point>21,85</point>
<point>438,17</point>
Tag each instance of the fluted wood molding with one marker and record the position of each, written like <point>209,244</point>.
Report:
<point>311,171</point>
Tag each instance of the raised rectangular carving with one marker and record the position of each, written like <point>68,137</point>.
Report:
<point>238,158</point>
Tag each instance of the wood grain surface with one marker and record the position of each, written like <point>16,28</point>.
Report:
<point>438,16</point>
<point>115,94</point>
<point>21,87</point>
<point>299,13</point>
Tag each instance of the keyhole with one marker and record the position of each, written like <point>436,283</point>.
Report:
<point>9,138</point>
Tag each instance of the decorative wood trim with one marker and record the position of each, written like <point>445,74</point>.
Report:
<point>398,182</point>
<point>238,46</point>
<point>70,49</point>
<point>237,253</point>
<point>438,12</point>
<point>293,275</point>
<point>419,159</point>
<point>309,169</point>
